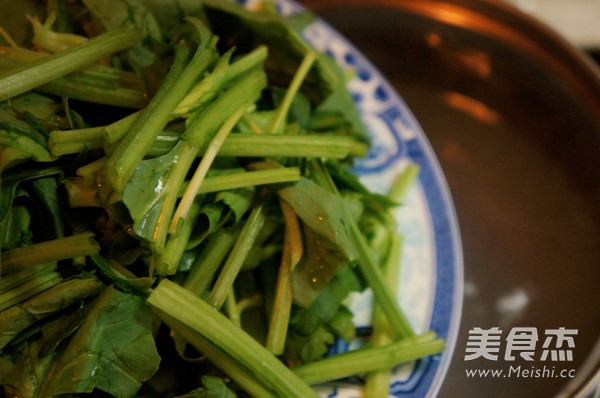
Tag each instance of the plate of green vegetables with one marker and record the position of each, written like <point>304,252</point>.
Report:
<point>213,199</point>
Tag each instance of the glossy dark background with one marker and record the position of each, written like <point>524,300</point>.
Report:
<point>513,114</point>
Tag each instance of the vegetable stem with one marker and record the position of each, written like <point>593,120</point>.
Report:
<point>282,303</point>
<point>278,119</point>
<point>215,327</point>
<point>310,145</point>
<point>209,156</point>
<point>46,69</point>
<point>369,359</point>
<point>377,383</point>
<point>208,261</point>
<point>245,91</point>
<point>8,38</point>
<point>249,178</point>
<point>404,181</point>
<point>82,244</point>
<point>185,157</point>
<point>240,374</point>
<point>369,268</point>
<point>28,283</point>
<point>238,255</point>
<point>117,130</point>
<point>168,260</point>
<point>155,116</point>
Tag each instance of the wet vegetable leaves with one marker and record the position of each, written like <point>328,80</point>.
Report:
<point>143,195</point>
<point>113,350</point>
<point>18,142</point>
<point>214,387</point>
<point>328,244</point>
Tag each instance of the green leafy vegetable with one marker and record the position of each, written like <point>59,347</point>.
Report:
<point>113,350</point>
<point>214,387</point>
<point>176,207</point>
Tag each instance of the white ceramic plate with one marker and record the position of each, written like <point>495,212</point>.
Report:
<point>431,282</point>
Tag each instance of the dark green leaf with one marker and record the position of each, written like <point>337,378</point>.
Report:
<point>247,30</point>
<point>306,320</point>
<point>341,324</point>
<point>11,182</point>
<point>19,317</point>
<point>326,238</point>
<point>214,387</point>
<point>18,142</point>
<point>44,193</point>
<point>14,229</point>
<point>138,286</point>
<point>23,375</point>
<point>313,347</point>
<point>237,200</point>
<point>113,350</point>
<point>143,194</point>
<point>345,180</point>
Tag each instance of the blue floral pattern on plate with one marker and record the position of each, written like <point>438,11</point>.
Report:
<point>431,282</point>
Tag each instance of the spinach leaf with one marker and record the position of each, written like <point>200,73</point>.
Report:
<point>328,244</point>
<point>214,387</point>
<point>12,181</point>
<point>143,194</point>
<point>307,320</point>
<point>22,375</point>
<point>19,317</point>
<point>14,229</point>
<point>127,283</point>
<point>314,346</point>
<point>341,324</point>
<point>44,193</point>
<point>18,142</point>
<point>237,200</point>
<point>113,350</point>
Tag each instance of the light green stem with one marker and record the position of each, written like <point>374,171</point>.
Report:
<point>207,159</point>
<point>238,254</point>
<point>155,116</point>
<point>58,249</point>
<point>215,327</point>
<point>46,69</point>
<point>369,359</point>
<point>209,260</point>
<point>377,383</point>
<point>279,118</point>
<point>251,382</point>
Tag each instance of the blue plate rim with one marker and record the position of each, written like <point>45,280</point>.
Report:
<point>448,301</point>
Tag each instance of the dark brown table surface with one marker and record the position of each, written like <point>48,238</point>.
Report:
<point>514,119</point>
